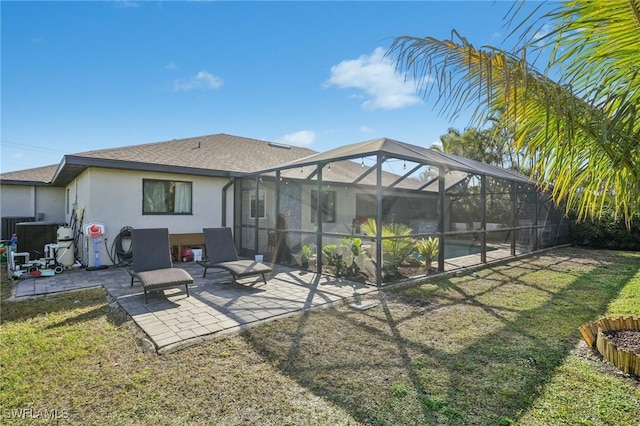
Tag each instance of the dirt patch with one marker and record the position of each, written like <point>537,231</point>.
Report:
<point>625,339</point>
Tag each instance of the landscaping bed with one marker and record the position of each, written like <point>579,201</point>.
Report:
<point>617,340</point>
<point>625,339</point>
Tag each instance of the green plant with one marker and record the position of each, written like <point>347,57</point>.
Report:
<point>306,256</point>
<point>399,390</point>
<point>397,243</point>
<point>348,257</point>
<point>428,250</point>
<point>608,231</point>
<point>578,134</point>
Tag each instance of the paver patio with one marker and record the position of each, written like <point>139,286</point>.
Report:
<point>172,320</point>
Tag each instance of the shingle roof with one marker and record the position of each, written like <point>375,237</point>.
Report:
<point>42,175</point>
<point>220,152</point>
<point>213,155</point>
<point>227,155</point>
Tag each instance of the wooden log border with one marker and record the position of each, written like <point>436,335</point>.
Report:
<point>593,335</point>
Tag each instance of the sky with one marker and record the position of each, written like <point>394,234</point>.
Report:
<point>82,76</point>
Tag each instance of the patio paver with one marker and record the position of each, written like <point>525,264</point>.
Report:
<point>172,320</point>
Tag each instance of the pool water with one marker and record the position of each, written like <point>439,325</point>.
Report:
<point>452,250</point>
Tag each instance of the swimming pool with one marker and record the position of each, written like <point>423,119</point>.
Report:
<point>452,250</point>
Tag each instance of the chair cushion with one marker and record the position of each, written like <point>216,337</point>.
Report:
<point>161,278</point>
<point>243,267</point>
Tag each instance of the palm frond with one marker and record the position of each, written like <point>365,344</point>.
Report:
<point>583,130</point>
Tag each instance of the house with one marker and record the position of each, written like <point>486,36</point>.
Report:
<point>179,184</point>
<point>283,200</point>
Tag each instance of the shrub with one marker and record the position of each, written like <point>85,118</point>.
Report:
<point>348,257</point>
<point>607,232</point>
<point>428,250</point>
<point>396,249</point>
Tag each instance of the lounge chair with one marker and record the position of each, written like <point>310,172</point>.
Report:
<point>152,264</point>
<point>222,254</point>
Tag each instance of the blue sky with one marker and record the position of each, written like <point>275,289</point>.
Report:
<point>80,76</point>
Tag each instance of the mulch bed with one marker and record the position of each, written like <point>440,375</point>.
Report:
<point>404,271</point>
<point>625,339</point>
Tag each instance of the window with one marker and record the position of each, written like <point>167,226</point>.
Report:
<point>327,203</point>
<point>259,206</point>
<point>166,197</point>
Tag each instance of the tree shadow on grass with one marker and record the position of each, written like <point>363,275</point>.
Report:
<point>16,311</point>
<point>115,315</point>
<point>468,354</point>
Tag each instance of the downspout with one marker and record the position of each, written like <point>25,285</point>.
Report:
<point>224,200</point>
<point>35,200</point>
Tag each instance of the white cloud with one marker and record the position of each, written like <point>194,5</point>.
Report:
<point>127,4</point>
<point>170,66</point>
<point>301,138</point>
<point>201,81</point>
<point>375,75</point>
<point>542,33</point>
<point>365,129</point>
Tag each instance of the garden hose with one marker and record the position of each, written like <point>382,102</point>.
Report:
<point>118,255</point>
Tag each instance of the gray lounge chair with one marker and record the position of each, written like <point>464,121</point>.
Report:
<point>222,254</point>
<point>152,264</point>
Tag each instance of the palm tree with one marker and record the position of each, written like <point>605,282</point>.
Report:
<point>486,145</point>
<point>581,131</point>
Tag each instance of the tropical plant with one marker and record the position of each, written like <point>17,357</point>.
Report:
<point>307,255</point>
<point>428,249</point>
<point>607,232</point>
<point>580,132</point>
<point>397,243</point>
<point>476,144</point>
<point>348,257</point>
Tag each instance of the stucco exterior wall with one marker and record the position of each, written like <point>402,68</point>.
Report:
<point>17,201</point>
<point>50,202</point>
<point>29,200</point>
<point>114,198</point>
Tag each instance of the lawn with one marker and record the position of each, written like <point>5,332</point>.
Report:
<point>497,346</point>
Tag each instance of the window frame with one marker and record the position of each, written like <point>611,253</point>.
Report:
<point>261,202</point>
<point>168,183</point>
<point>329,206</point>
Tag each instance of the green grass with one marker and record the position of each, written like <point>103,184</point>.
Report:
<point>451,351</point>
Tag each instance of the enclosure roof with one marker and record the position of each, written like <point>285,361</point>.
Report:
<point>404,151</point>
